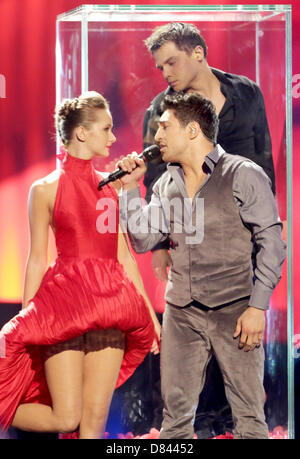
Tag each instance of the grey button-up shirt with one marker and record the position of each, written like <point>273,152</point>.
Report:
<point>251,189</point>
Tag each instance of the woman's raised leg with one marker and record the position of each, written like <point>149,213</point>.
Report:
<point>64,372</point>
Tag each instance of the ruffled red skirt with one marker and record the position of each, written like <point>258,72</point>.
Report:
<point>74,297</point>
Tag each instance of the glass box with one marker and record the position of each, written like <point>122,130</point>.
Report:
<point>100,47</point>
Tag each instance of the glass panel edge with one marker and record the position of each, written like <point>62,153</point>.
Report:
<point>94,8</point>
<point>289,178</point>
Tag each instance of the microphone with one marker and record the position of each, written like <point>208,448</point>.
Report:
<point>150,154</point>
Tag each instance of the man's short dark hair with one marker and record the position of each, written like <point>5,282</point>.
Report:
<point>193,107</point>
<point>185,36</point>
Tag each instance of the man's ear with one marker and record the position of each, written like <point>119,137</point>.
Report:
<point>199,53</point>
<point>193,129</point>
<point>80,133</point>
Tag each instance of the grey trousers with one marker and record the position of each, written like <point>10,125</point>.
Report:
<point>190,336</point>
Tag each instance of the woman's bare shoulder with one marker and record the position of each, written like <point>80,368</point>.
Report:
<point>49,179</point>
<point>45,186</point>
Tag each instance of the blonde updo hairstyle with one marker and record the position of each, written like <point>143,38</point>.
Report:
<point>80,111</point>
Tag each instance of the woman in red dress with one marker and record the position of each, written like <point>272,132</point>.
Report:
<point>86,323</point>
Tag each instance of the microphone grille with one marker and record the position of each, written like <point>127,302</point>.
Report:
<point>151,153</point>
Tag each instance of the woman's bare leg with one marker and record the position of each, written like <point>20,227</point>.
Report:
<point>64,378</point>
<point>100,373</point>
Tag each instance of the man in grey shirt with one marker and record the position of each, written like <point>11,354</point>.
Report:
<point>211,205</point>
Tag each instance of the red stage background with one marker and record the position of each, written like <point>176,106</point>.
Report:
<point>27,141</point>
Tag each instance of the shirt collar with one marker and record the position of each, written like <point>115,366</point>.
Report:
<point>211,159</point>
<point>227,89</point>
<point>213,156</point>
<point>223,77</point>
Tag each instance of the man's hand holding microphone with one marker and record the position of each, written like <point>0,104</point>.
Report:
<point>135,168</point>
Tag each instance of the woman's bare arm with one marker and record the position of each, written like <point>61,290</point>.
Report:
<point>126,258</point>
<point>39,220</point>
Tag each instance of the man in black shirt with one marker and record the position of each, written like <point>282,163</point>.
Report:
<point>180,53</point>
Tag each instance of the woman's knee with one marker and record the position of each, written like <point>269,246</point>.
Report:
<point>95,415</point>
<point>68,421</point>
<point>68,424</point>
<point>97,411</point>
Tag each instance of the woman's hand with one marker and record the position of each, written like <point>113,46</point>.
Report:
<point>155,348</point>
<point>161,261</point>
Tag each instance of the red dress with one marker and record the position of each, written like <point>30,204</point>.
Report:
<point>85,289</point>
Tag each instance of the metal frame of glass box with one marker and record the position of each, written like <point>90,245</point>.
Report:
<point>259,16</point>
